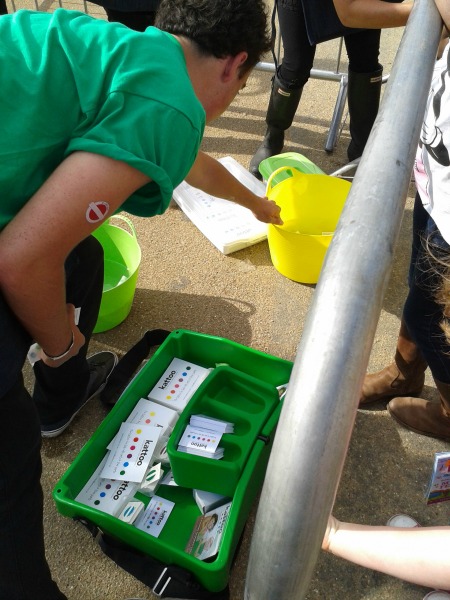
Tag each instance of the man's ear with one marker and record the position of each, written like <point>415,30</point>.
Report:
<point>233,65</point>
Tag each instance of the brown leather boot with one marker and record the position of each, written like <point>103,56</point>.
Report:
<point>423,416</point>
<point>404,377</point>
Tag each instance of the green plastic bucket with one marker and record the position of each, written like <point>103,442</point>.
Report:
<point>122,259</point>
<point>287,159</point>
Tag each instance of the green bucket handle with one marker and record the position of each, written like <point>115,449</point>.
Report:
<point>294,173</point>
<point>127,221</point>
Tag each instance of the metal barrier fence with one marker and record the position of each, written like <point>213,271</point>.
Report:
<point>320,407</point>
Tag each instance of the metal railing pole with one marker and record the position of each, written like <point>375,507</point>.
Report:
<point>316,423</point>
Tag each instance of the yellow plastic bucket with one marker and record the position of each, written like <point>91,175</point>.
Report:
<point>311,205</point>
<point>122,258</point>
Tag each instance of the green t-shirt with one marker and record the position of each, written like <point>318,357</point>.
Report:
<point>70,82</point>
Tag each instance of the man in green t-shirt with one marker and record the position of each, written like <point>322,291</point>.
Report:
<point>94,117</point>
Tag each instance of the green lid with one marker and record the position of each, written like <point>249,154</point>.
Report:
<point>287,159</point>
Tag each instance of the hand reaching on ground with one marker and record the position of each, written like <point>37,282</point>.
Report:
<point>267,211</point>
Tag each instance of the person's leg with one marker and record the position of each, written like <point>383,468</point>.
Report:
<point>139,20</point>
<point>423,316</point>
<point>422,313</point>
<point>405,376</point>
<point>364,86</point>
<point>288,82</point>
<point>60,393</point>
<point>24,572</point>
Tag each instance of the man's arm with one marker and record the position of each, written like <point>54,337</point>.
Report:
<point>35,244</point>
<point>213,178</point>
<point>372,14</point>
<point>419,555</point>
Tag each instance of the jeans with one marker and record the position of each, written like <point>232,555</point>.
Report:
<point>24,572</point>
<point>363,47</point>
<point>422,313</point>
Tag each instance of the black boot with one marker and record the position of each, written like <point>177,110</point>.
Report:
<point>364,90</point>
<point>281,111</point>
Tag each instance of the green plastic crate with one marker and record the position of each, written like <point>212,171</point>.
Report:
<point>246,365</point>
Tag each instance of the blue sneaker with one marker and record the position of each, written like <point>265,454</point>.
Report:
<point>101,365</point>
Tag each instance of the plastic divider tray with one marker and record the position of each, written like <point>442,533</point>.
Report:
<point>245,367</point>
<point>229,395</point>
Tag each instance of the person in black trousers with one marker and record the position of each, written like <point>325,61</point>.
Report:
<point>364,76</point>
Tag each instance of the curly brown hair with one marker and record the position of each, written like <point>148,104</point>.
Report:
<point>220,27</point>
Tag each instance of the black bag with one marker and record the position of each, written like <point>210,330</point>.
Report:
<point>129,364</point>
<point>165,581</point>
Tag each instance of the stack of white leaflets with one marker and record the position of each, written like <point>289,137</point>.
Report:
<point>210,423</point>
<point>202,436</point>
<point>202,442</point>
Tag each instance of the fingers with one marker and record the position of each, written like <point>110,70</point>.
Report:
<point>268,212</point>
<point>276,218</point>
<point>274,212</point>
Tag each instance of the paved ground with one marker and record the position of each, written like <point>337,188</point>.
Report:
<point>185,282</point>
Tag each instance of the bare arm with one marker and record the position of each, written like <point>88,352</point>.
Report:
<point>372,14</point>
<point>443,7</point>
<point>35,244</point>
<point>213,178</point>
<point>419,555</point>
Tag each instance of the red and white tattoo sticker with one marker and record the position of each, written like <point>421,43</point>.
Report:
<point>96,211</point>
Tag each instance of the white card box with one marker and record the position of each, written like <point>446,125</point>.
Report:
<point>178,383</point>
<point>106,495</point>
<point>229,226</point>
<point>207,501</point>
<point>155,516</point>
<point>147,412</point>
<point>131,452</point>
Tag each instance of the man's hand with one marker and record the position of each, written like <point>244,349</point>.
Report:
<point>267,211</point>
